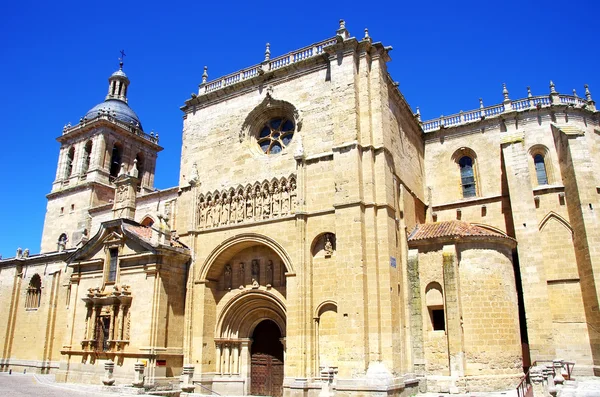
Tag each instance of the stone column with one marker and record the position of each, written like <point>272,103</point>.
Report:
<point>245,364</point>
<point>454,329</point>
<point>580,178</point>
<point>227,359</point>
<point>235,362</point>
<point>416,312</point>
<point>531,262</point>
<point>218,358</point>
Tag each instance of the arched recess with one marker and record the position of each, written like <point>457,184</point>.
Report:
<point>244,312</point>
<point>228,248</point>
<point>324,244</point>
<point>434,299</point>
<point>147,221</point>
<point>553,215</point>
<point>558,250</point>
<point>326,334</point>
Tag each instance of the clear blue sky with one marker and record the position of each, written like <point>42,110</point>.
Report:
<point>56,58</point>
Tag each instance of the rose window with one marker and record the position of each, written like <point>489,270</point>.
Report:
<point>275,135</point>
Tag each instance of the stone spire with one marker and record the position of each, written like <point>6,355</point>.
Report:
<point>118,83</point>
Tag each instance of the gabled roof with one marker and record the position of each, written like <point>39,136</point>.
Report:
<point>128,229</point>
<point>455,230</point>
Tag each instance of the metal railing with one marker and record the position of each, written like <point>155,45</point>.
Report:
<point>525,389</point>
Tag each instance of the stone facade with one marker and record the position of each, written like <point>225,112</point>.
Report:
<point>321,239</point>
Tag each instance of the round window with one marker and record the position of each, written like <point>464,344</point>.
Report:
<point>275,135</point>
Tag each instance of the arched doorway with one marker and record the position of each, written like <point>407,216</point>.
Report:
<point>266,373</point>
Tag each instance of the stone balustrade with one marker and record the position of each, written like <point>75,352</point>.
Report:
<point>134,129</point>
<point>266,66</point>
<point>531,102</point>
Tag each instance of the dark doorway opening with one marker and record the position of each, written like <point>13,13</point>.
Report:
<point>266,375</point>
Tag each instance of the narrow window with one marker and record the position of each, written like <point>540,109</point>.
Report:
<point>70,159</point>
<point>112,269</point>
<point>435,306</point>
<point>115,160</point>
<point>438,321</point>
<point>87,157</point>
<point>467,176</point>
<point>540,169</point>
<point>34,293</point>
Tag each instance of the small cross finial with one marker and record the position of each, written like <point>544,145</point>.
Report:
<point>588,94</point>
<point>552,87</point>
<point>529,95</point>
<point>505,92</point>
<point>268,52</point>
<point>205,75</point>
<point>121,59</point>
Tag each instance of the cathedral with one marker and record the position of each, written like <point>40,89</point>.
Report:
<point>322,240</point>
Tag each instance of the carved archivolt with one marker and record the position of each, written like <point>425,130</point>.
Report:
<point>266,200</point>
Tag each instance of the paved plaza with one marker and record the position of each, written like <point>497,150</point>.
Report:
<point>20,385</point>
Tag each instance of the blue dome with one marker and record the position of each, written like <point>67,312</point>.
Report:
<point>117,108</point>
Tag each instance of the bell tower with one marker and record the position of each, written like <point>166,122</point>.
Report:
<point>109,136</point>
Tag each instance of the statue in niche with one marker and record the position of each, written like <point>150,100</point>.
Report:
<point>203,210</point>
<point>249,205</point>
<point>241,207</point>
<point>255,271</point>
<point>328,247</point>
<point>209,213</point>
<point>269,273</point>
<point>285,200</point>
<point>217,212</point>
<point>276,201</point>
<point>258,202</point>
<point>225,211</point>
<point>266,203</point>
<point>293,196</point>
<point>227,276</point>
<point>242,275</point>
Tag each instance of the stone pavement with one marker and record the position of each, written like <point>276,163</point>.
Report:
<point>21,385</point>
<point>25,385</point>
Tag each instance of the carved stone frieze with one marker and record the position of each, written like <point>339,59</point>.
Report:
<point>250,203</point>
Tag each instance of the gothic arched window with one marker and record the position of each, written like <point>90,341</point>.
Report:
<point>467,176</point>
<point>540,169</point>
<point>275,135</point>
<point>34,292</point>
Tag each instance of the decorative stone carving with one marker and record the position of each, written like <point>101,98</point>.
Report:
<point>255,271</point>
<point>328,247</point>
<point>108,379</point>
<point>227,276</point>
<point>242,274</point>
<point>269,273</point>
<point>138,380</point>
<point>248,203</point>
